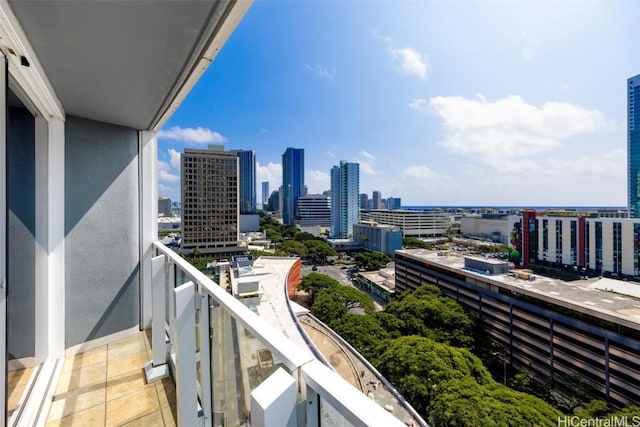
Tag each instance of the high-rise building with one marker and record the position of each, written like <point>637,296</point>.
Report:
<point>364,200</point>
<point>164,207</point>
<point>274,201</point>
<point>313,210</point>
<point>247,180</point>
<point>292,182</point>
<point>394,203</point>
<point>377,200</point>
<point>210,213</point>
<point>633,145</point>
<point>265,194</point>
<point>345,198</point>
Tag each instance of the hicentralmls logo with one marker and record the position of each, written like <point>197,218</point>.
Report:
<point>599,422</point>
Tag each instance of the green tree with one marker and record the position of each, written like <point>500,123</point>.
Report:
<point>336,301</point>
<point>319,250</point>
<point>364,333</point>
<point>417,365</point>
<point>372,260</point>
<point>466,403</point>
<point>303,235</point>
<point>292,247</point>
<point>312,283</point>
<point>415,243</point>
<point>429,313</point>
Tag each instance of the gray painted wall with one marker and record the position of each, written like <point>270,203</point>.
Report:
<point>101,226</point>
<point>21,259</point>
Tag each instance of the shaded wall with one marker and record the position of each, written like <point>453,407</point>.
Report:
<point>21,223</point>
<point>101,227</point>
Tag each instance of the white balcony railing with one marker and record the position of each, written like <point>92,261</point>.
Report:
<point>232,368</point>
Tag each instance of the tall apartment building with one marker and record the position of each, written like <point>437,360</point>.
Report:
<point>292,182</point>
<point>274,201</point>
<point>247,180</point>
<point>377,200</point>
<point>364,201</point>
<point>210,213</point>
<point>345,198</point>
<point>633,145</point>
<point>265,194</point>
<point>313,210</point>
<point>394,203</point>
<point>164,207</point>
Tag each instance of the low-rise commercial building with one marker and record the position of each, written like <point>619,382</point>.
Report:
<point>411,222</point>
<point>374,237</point>
<point>549,326</point>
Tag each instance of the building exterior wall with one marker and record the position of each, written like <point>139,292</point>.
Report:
<point>483,227</point>
<point>314,210</point>
<point>537,335</point>
<point>292,182</point>
<point>164,207</point>
<point>345,198</point>
<point>412,223</point>
<point>102,230</point>
<point>21,233</point>
<point>633,145</point>
<point>293,278</point>
<point>378,238</point>
<point>247,180</point>
<point>210,214</point>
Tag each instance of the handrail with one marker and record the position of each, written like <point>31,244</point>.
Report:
<point>289,353</point>
<point>309,373</point>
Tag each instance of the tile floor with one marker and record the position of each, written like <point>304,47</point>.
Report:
<point>16,383</point>
<point>106,387</point>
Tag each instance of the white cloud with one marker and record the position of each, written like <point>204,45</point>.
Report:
<point>411,62</point>
<point>367,163</point>
<point>174,158</point>
<point>197,135</point>
<point>163,189</point>
<point>331,154</point>
<point>164,172</point>
<point>271,172</point>
<point>322,72</point>
<point>509,129</point>
<point>317,181</point>
<point>419,105</point>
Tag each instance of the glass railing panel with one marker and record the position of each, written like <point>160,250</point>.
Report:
<point>331,417</point>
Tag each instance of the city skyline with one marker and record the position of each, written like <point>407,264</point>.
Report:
<point>515,110</point>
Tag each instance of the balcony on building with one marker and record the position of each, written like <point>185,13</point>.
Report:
<point>104,324</point>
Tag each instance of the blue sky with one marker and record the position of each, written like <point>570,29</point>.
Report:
<point>441,102</point>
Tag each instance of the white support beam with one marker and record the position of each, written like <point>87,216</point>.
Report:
<point>49,215</point>
<point>273,403</point>
<point>3,238</point>
<point>205,359</point>
<point>148,211</point>
<point>157,368</point>
<point>185,348</point>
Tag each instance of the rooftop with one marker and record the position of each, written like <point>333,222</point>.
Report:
<point>619,303</point>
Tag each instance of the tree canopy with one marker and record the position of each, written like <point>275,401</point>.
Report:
<point>364,333</point>
<point>336,301</point>
<point>417,365</point>
<point>292,247</point>
<point>466,403</point>
<point>312,283</point>
<point>429,313</point>
<point>372,260</point>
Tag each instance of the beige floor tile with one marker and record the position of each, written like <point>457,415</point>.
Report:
<point>126,346</point>
<point>14,396</point>
<point>125,384</point>
<point>152,420</point>
<point>81,377</point>
<point>169,415</point>
<point>93,417</point>
<point>132,406</point>
<point>91,357</point>
<point>132,363</point>
<point>166,392</point>
<point>77,400</point>
<point>19,377</point>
